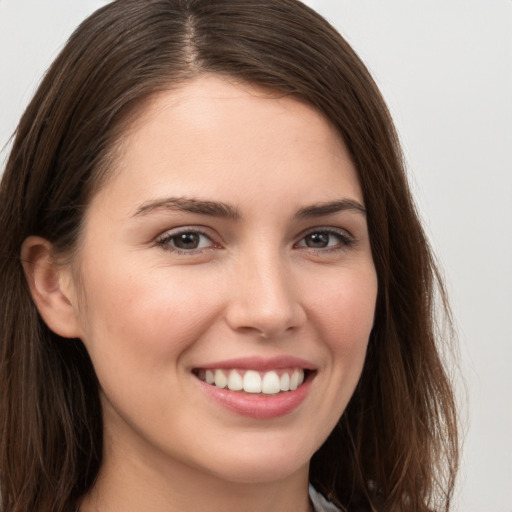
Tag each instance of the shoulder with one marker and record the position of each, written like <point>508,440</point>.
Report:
<point>320,504</point>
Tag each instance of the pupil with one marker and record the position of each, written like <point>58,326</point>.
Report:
<point>317,240</point>
<point>187,241</point>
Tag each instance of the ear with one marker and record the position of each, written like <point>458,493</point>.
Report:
<point>51,286</point>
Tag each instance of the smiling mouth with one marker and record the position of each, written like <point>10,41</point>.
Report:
<point>270,382</point>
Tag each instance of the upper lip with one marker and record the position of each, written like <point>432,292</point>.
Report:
<point>260,363</point>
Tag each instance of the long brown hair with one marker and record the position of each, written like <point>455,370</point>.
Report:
<point>395,447</point>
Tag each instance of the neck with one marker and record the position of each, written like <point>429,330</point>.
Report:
<point>131,484</point>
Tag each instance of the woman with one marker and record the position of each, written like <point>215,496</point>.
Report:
<point>215,286</point>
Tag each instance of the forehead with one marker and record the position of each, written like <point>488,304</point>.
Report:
<point>214,137</point>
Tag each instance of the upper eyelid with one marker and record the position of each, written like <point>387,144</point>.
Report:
<point>325,229</point>
<point>346,241</point>
<point>163,239</point>
<point>201,230</point>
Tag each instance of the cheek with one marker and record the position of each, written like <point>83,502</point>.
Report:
<point>343,309</point>
<point>344,316</point>
<point>342,313</point>
<point>147,316</point>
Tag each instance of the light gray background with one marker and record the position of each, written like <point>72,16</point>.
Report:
<point>445,69</point>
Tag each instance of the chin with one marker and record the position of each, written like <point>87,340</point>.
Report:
<point>263,466</point>
<point>261,474</point>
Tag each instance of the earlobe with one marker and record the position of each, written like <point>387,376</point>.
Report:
<point>51,287</point>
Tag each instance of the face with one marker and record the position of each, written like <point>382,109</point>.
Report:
<point>227,284</point>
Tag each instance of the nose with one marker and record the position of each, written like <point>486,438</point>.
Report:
<point>265,299</point>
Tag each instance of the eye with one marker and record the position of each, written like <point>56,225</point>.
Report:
<point>185,241</point>
<point>325,239</point>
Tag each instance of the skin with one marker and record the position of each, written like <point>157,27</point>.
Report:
<point>150,314</point>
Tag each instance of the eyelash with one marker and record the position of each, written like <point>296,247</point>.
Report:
<point>165,241</point>
<point>346,241</point>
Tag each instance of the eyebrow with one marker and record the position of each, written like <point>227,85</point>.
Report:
<point>223,210</point>
<point>321,209</point>
<point>185,204</point>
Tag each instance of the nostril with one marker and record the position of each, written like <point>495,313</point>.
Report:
<point>265,325</point>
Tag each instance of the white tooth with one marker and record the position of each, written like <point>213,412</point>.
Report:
<point>301,377</point>
<point>295,379</point>
<point>252,382</point>
<point>209,377</point>
<point>285,382</point>
<point>270,384</point>
<point>235,382</point>
<point>220,379</point>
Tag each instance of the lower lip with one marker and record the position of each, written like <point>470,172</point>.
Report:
<point>256,405</point>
